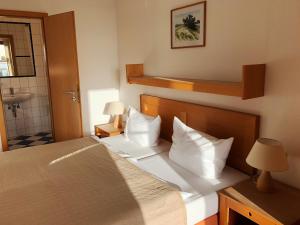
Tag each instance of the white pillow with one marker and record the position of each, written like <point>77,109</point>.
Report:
<point>198,152</point>
<point>142,129</point>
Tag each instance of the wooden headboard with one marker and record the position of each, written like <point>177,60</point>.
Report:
<point>221,123</point>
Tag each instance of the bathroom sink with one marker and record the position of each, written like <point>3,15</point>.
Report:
<point>16,98</point>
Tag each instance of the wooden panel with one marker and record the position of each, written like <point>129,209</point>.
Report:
<point>134,70</point>
<point>252,85</point>
<point>63,75</point>
<point>247,212</point>
<point>107,130</point>
<point>244,198</point>
<point>223,210</point>
<point>213,220</point>
<point>2,127</point>
<point>220,123</point>
<point>231,212</point>
<point>22,14</point>
<point>254,81</point>
<point>206,86</point>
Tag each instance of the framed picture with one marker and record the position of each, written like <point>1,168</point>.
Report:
<point>188,26</point>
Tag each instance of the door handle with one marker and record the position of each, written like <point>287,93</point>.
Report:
<point>70,92</point>
<point>74,94</point>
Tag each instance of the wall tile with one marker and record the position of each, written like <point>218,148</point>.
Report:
<point>15,82</point>
<point>35,112</point>
<point>36,40</point>
<point>24,89</point>
<point>26,105</point>
<point>32,81</point>
<point>5,83</point>
<point>9,116</point>
<point>5,91</point>
<point>20,113</point>
<point>20,124</point>
<point>24,83</point>
<point>39,61</point>
<point>39,81</point>
<point>40,71</point>
<point>35,29</point>
<point>27,113</point>
<point>38,51</point>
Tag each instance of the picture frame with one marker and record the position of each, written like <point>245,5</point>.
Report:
<point>188,26</point>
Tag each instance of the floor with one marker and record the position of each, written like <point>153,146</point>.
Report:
<point>41,138</point>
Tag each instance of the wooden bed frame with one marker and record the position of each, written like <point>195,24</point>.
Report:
<point>221,123</point>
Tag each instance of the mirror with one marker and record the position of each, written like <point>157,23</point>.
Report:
<point>16,50</point>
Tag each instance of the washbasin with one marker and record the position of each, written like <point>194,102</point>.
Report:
<point>16,98</point>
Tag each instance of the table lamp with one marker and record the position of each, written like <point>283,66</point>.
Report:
<point>115,109</point>
<point>268,156</point>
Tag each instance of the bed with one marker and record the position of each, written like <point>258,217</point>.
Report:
<point>57,183</point>
<point>199,195</point>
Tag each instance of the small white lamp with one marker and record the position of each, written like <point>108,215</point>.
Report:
<point>115,109</point>
<point>269,156</point>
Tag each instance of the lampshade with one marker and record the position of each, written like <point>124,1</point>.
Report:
<point>268,155</point>
<point>114,108</point>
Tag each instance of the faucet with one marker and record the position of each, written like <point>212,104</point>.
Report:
<point>12,91</point>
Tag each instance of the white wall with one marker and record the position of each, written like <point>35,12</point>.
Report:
<point>97,50</point>
<point>238,32</point>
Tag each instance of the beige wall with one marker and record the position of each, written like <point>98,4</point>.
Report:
<point>97,50</point>
<point>238,32</point>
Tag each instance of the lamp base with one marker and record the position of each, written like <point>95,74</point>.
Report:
<point>118,123</point>
<point>264,182</point>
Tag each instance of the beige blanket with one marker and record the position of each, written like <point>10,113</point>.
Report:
<point>80,182</point>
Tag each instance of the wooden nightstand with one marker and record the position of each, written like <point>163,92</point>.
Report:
<point>107,130</point>
<point>243,204</point>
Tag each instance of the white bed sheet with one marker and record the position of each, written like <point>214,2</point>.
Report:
<point>128,149</point>
<point>199,194</point>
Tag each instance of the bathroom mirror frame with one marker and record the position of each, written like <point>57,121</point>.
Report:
<point>15,56</point>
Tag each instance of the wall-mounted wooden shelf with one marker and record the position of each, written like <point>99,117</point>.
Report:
<point>252,85</point>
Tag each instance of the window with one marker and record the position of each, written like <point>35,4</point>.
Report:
<point>6,56</point>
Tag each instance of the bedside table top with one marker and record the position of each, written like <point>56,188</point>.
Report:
<point>283,204</point>
<point>109,128</point>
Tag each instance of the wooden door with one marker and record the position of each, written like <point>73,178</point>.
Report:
<point>60,38</point>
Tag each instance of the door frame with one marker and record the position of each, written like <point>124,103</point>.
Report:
<point>3,134</point>
<point>28,15</point>
<point>23,14</point>
<point>17,14</point>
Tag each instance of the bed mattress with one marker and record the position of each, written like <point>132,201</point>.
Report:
<point>199,194</point>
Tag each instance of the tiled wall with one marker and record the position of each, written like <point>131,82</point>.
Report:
<point>33,116</point>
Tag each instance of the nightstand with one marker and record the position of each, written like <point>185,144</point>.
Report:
<point>107,130</point>
<point>243,204</point>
